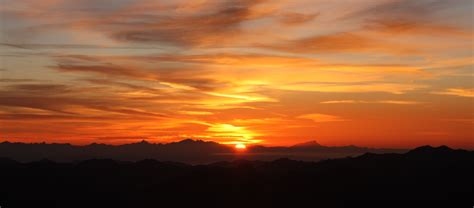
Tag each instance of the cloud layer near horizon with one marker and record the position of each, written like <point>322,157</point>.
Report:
<point>374,73</point>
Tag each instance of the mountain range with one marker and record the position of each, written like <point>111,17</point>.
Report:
<point>423,177</point>
<point>186,151</point>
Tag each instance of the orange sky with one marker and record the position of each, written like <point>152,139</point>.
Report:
<point>385,73</point>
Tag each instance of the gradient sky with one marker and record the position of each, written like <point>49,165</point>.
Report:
<point>378,73</point>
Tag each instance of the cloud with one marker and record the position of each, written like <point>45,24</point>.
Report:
<point>294,18</point>
<point>178,24</point>
<point>378,28</point>
<point>203,28</point>
<point>414,11</point>
<point>128,111</point>
<point>69,100</point>
<point>321,117</point>
<point>36,46</point>
<point>410,21</point>
<point>413,28</point>
<point>399,102</point>
<point>15,80</point>
<point>340,102</point>
<point>342,42</point>
<point>132,86</point>
<point>232,133</point>
<point>244,97</point>
<point>43,88</point>
<point>230,59</point>
<point>457,92</point>
<point>173,77</point>
<point>394,88</point>
<point>241,76</point>
<point>396,102</point>
<point>196,113</point>
<point>104,69</point>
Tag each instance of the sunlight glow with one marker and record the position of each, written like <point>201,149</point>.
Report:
<point>272,73</point>
<point>240,146</point>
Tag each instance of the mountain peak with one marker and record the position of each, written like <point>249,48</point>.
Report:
<point>192,141</point>
<point>430,149</point>
<point>313,143</point>
<point>144,142</point>
<point>188,141</point>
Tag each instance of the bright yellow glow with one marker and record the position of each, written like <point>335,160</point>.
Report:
<point>231,131</point>
<point>240,146</point>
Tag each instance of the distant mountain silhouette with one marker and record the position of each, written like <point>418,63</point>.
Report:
<point>308,144</point>
<point>429,150</point>
<point>187,151</point>
<point>423,177</point>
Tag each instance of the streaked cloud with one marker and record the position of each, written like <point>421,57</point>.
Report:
<point>294,18</point>
<point>343,42</point>
<point>197,113</point>
<point>396,102</point>
<point>394,88</point>
<point>457,92</point>
<point>321,117</point>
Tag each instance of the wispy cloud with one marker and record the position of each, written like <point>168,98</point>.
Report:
<point>295,18</point>
<point>457,92</point>
<point>321,117</point>
<point>396,102</point>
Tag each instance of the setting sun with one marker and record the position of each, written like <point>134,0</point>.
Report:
<point>240,146</point>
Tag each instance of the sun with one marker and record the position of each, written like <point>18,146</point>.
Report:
<point>240,146</point>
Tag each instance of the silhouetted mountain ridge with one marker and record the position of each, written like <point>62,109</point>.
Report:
<point>313,143</point>
<point>443,176</point>
<point>187,151</point>
<point>429,149</point>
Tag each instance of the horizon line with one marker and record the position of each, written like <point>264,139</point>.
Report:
<point>209,141</point>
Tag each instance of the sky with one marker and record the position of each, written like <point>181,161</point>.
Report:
<point>385,73</point>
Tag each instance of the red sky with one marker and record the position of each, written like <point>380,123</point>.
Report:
<point>386,73</point>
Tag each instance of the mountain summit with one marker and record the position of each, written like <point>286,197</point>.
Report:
<point>313,143</point>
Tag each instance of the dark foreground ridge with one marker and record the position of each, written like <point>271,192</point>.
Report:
<point>425,175</point>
